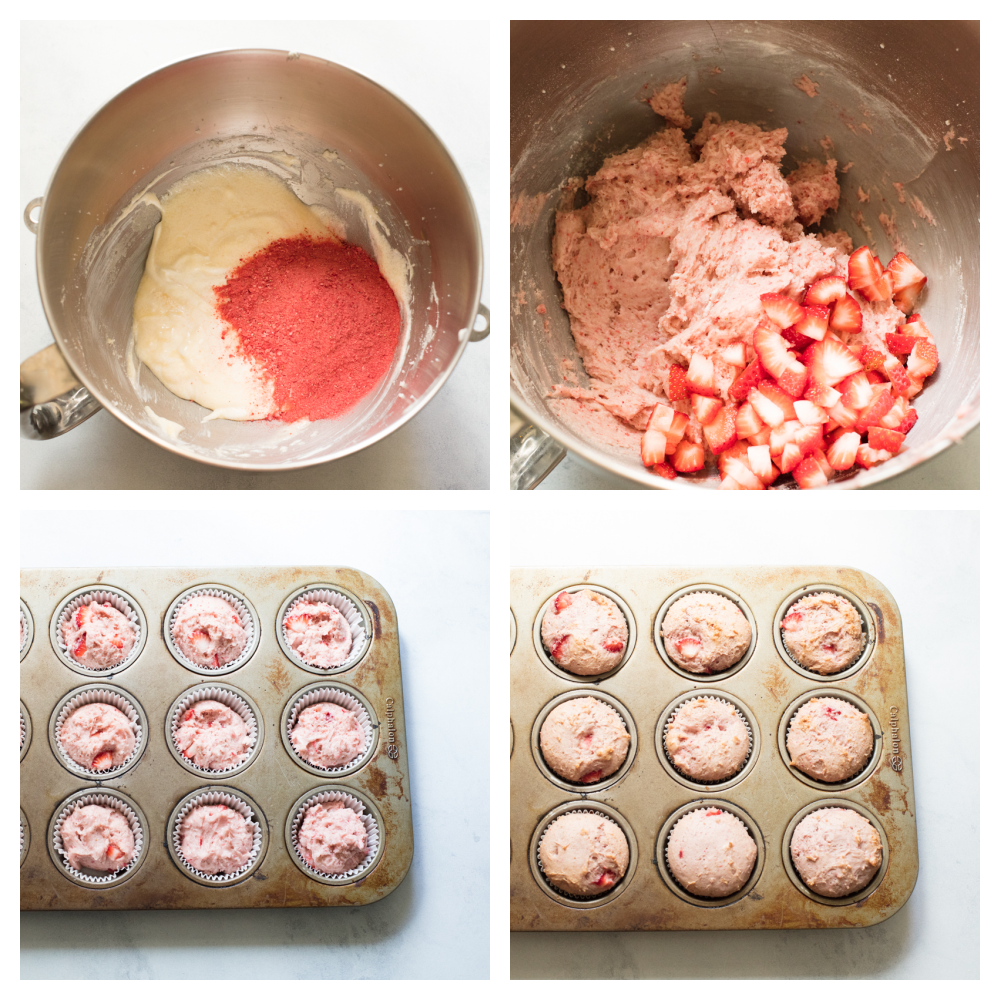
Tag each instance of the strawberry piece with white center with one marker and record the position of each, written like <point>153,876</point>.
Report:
<point>677,391</point>
<point>907,281</point>
<point>868,456</point>
<point>809,413</point>
<point>705,408</point>
<point>766,409</point>
<point>735,354</point>
<point>871,359</point>
<point>814,323</point>
<point>825,291</point>
<point>893,367</point>
<point>742,474</point>
<point>879,406</point>
<point>899,342</point>
<point>857,391</point>
<point>781,435</point>
<point>721,432</point>
<point>700,376</point>
<point>866,275</point>
<point>791,457</point>
<point>809,437</point>
<point>842,452</point>
<point>909,419</point>
<point>843,415</point>
<point>688,457</point>
<point>748,421</point>
<point>778,360</point>
<point>747,380</point>
<point>883,439</point>
<point>662,469</point>
<point>728,483</point>
<point>782,310</point>
<point>759,457</point>
<point>830,362</point>
<point>894,417</point>
<point>808,474</point>
<point>823,463</point>
<point>923,360</point>
<point>824,396</point>
<point>761,437</point>
<point>846,315</point>
<point>653,447</point>
<point>777,395</point>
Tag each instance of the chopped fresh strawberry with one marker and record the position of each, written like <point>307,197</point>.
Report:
<point>660,418</point>
<point>705,408</point>
<point>868,456</point>
<point>653,447</point>
<point>782,310</point>
<point>822,395</point>
<point>82,615</point>
<point>893,367</point>
<point>689,457</point>
<point>761,465</point>
<point>808,474</point>
<point>614,646</point>
<point>777,395</point>
<point>871,359</point>
<point>894,417</point>
<point>114,852</point>
<point>906,298</point>
<point>909,419</point>
<point>747,380</point>
<point>875,377</point>
<point>923,359</point>
<point>748,421</point>
<point>883,439</point>
<point>591,777</point>
<point>814,323</point>
<point>676,430</point>
<point>700,376</point>
<point>916,327</point>
<point>825,291</point>
<point>762,437</point>
<point>841,453</point>
<point>794,379</point>
<point>735,354</point>
<point>742,474</point>
<point>846,316</point>
<point>809,437</point>
<point>857,391</point>
<point>830,362</point>
<point>557,649</point>
<point>823,463</point>
<point>781,435</point>
<point>766,409</point>
<point>728,483</point>
<point>772,351</point>
<point>900,343</point>
<point>81,646</point>
<point>844,415</point>
<point>738,450</point>
<point>721,432</point>
<point>916,386</point>
<point>861,269</point>
<point>809,413</point>
<point>102,761</point>
<point>879,406</point>
<point>796,341</point>
<point>664,469</point>
<point>907,281</point>
<point>677,384</point>
<point>607,878</point>
<point>790,457</point>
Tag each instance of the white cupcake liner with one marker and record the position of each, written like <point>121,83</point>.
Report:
<point>115,700</point>
<point>246,620</point>
<point>670,833</point>
<point>868,759</point>
<point>25,837</point>
<point>24,729</point>
<point>347,608</point>
<point>371,828</point>
<point>111,802</point>
<point>596,695</point>
<point>119,603</point>
<point>742,718</point>
<point>344,700</point>
<point>215,798</point>
<point>864,631</point>
<point>231,700</point>
<point>27,628</point>
<point>563,892</point>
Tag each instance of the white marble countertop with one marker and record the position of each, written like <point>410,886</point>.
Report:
<point>440,68</point>
<point>435,925</point>
<point>929,561</point>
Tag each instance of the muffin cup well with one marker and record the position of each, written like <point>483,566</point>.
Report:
<point>867,626</point>
<point>704,588</point>
<point>27,629</point>
<point>25,730</point>
<point>106,694</point>
<point>213,796</point>
<point>792,872</point>
<point>543,653</point>
<point>575,786</point>
<point>244,610</point>
<point>852,699</point>
<point>513,631</point>
<point>25,837</point>
<point>119,600</point>
<point>535,862</point>
<point>361,805</point>
<point>348,604</point>
<point>232,698</point>
<point>348,698</point>
<point>746,716</point>
<point>112,799</point>
<point>663,840</point>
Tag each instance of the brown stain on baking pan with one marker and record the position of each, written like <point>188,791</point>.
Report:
<point>375,783</point>
<point>776,680</point>
<point>878,795</point>
<point>879,621</point>
<point>376,618</point>
<point>277,676</point>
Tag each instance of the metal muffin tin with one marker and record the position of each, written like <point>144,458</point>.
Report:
<point>768,795</point>
<point>273,781</point>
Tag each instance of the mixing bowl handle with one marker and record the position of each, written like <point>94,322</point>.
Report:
<point>53,395</point>
<point>49,420</point>
<point>475,334</point>
<point>28,209</point>
<point>533,454</point>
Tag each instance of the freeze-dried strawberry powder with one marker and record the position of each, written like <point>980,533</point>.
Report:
<point>317,318</point>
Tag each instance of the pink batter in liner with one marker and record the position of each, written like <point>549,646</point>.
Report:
<point>212,735</point>
<point>97,838</point>
<point>332,838</point>
<point>97,736</point>
<point>98,636</point>
<point>208,631</point>
<point>216,839</point>
<point>318,633</point>
<point>327,735</point>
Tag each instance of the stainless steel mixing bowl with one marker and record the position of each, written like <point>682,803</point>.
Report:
<point>889,92</point>
<point>323,128</point>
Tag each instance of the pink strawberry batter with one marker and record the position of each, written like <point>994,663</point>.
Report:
<point>98,636</point>
<point>216,839</point>
<point>584,632</point>
<point>97,736</point>
<point>671,254</point>
<point>208,631</point>
<point>97,838</point>
<point>318,633</point>
<point>212,735</point>
<point>327,735</point>
<point>332,838</point>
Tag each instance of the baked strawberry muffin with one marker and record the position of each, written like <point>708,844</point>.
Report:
<point>584,632</point>
<point>829,739</point>
<point>584,853</point>
<point>98,636</point>
<point>97,736</point>
<point>208,631</point>
<point>823,632</point>
<point>707,739</point>
<point>705,633</point>
<point>710,853</point>
<point>584,740</point>
<point>836,852</point>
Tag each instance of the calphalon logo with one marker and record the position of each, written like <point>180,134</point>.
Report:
<point>392,750</point>
<point>895,760</point>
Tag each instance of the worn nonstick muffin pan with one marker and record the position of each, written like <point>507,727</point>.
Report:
<point>274,782</point>
<point>646,795</point>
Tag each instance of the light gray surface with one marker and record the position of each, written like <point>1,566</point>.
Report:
<point>929,561</point>
<point>957,468</point>
<point>69,70</point>
<point>436,924</point>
